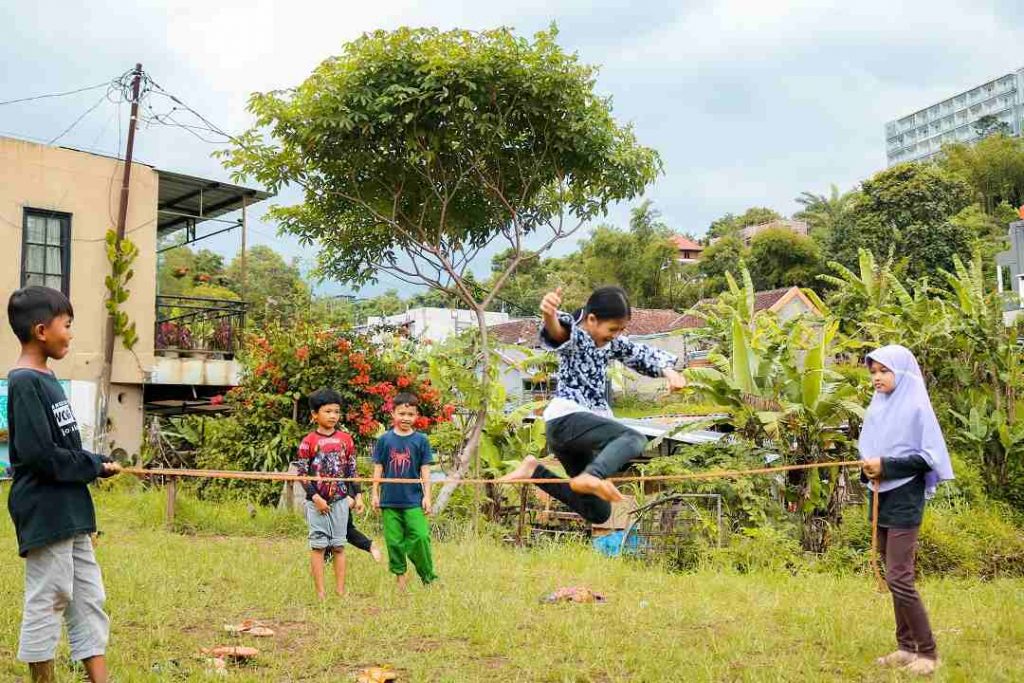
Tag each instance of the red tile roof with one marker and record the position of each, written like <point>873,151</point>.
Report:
<point>762,300</point>
<point>765,300</point>
<point>645,321</point>
<point>522,332</point>
<point>685,243</point>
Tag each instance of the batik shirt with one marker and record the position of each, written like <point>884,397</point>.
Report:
<point>331,455</point>
<point>582,376</point>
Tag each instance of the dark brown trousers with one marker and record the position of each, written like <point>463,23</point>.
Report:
<point>913,632</point>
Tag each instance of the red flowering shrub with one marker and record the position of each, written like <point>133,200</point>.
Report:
<point>281,366</point>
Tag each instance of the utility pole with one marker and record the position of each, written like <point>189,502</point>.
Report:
<point>103,404</point>
<point>244,284</point>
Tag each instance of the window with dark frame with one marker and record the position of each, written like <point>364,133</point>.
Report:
<point>46,249</point>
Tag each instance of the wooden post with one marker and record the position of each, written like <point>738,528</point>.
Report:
<point>172,495</point>
<point>521,526</point>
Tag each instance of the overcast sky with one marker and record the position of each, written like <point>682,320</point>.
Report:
<point>749,102</point>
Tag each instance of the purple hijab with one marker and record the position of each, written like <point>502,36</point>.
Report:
<point>903,423</point>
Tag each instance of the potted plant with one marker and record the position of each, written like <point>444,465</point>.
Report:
<point>168,339</point>
<point>198,333</point>
<point>223,339</point>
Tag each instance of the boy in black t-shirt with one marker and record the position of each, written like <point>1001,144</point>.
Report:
<point>49,501</point>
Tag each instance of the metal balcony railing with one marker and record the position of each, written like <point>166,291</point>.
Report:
<point>196,325</point>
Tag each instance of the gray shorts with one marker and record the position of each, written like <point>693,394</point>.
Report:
<point>327,531</point>
<point>63,582</point>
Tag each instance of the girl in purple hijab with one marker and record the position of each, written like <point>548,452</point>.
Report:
<point>905,456</point>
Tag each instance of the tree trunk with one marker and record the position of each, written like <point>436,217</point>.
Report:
<point>469,456</point>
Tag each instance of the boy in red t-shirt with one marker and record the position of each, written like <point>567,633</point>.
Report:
<point>327,452</point>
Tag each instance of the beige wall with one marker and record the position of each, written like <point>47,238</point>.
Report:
<point>87,186</point>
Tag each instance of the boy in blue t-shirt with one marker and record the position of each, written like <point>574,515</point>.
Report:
<point>404,453</point>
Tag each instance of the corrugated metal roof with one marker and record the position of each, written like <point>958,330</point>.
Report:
<point>181,196</point>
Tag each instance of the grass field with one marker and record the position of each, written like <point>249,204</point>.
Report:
<point>170,595</point>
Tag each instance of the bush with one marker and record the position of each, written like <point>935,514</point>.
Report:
<point>747,502</point>
<point>766,548</point>
<point>977,540</point>
<point>270,417</point>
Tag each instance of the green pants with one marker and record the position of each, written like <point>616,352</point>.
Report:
<point>407,535</point>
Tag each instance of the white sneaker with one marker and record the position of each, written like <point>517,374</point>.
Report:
<point>922,666</point>
<point>897,658</point>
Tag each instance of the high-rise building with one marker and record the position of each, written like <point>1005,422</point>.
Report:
<point>921,135</point>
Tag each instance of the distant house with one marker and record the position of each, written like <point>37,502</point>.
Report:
<point>689,251</point>
<point>435,324</point>
<point>749,232</point>
<point>662,328</point>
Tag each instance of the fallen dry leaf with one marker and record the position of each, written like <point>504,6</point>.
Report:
<point>233,652</point>
<point>251,627</point>
<point>577,594</point>
<point>377,674</point>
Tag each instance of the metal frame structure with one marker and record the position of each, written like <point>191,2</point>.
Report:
<point>185,201</point>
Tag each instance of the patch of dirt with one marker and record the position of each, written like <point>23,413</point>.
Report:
<point>495,662</point>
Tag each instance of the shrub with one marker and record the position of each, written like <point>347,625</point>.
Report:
<point>747,502</point>
<point>764,548</point>
<point>977,540</point>
<point>279,369</point>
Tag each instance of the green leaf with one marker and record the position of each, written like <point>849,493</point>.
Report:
<point>741,358</point>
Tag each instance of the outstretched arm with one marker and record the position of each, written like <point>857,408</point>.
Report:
<point>553,328</point>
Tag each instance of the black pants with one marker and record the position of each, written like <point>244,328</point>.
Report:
<point>355,537</point>
<point>584,442</point>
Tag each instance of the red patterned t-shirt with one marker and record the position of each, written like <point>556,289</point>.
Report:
<point>331,455</point>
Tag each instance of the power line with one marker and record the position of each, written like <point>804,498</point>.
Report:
<point>76,121</point>
<point>104,84</point>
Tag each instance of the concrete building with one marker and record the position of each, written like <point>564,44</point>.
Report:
<point>920,135</point>
<point>1010,272</point>
<point>56,205</point>
<point>435,324</point>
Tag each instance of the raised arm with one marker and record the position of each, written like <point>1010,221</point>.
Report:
<point>555,332</point>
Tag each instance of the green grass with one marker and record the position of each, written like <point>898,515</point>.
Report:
<point>171,593</point>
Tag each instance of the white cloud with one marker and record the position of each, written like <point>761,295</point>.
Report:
<point>749,101</point>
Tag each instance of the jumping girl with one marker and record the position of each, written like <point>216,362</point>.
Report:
<point>581,432</point>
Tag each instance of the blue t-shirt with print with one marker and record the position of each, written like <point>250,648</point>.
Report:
<point>402,458</point>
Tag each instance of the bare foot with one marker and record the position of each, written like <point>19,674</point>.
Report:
<point>403,581</point>
<point>376,554</point>
<point>321,596</point>
<point>340,593</point>
<point>524,471</point>
<point>589,484</point>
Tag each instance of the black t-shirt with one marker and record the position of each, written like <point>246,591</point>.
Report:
<point>902,507</point>
<point>49,499</point>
